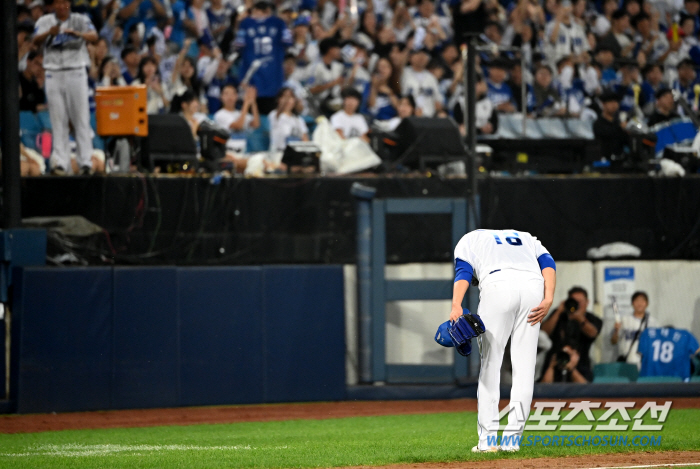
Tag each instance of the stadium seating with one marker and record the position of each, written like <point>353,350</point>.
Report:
<point>659,379</point>
<point>610,379</point>
<point>617,369</point>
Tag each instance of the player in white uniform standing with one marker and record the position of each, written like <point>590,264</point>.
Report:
<point>64,36</point>
<point>517,276</point>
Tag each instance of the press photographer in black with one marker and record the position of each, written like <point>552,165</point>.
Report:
<point>572,330</point>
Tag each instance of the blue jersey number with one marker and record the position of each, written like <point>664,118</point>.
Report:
<point>512,240</point>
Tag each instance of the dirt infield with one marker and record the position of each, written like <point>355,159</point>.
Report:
<point>256,413</point>
<point>644,459</point>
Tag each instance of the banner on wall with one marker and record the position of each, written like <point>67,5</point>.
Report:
<point>618,288</point>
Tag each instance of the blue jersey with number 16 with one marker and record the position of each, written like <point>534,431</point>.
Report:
<point>264,39</point>
<point>666,352</point>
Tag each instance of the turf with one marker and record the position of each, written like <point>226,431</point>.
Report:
<point>302,443</point>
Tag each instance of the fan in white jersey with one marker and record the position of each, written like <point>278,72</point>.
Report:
<point>627,331</point>
<point>348,122</point>
<point>417,81</point>
<point>237,121</point>
<point>285,125</point>
<point>517,276</point>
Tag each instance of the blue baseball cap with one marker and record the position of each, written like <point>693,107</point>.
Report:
<point>302,20</point>
<point>442,336</point>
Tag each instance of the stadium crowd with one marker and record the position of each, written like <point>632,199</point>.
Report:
<point>372,63</point>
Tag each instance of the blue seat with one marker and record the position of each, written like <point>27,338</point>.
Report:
<point>259,139</point>
<point>45,119</point>
<point>659,379</point>
<point>610,379</point>
<point>616,369</point>
<point>97,141</point>
<point>31,127</point>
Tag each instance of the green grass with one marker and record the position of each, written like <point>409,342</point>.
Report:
<point>301,443</point>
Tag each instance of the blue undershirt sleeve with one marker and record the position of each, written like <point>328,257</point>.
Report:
<point>463,270</point>
<point>545,260</point>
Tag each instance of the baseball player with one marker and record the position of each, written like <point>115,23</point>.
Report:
<point>517,276</point>
<point>64,36</point>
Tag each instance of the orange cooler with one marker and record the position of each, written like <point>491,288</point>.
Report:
<point>121,110</point>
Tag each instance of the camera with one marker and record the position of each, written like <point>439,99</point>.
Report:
<point>570,305</point>
<point>563,359</point>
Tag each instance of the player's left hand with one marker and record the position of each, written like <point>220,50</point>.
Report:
<point>538,313</point>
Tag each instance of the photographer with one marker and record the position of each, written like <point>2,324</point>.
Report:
<point>572,330</point>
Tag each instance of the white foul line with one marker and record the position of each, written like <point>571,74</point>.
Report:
<point>651,465</point>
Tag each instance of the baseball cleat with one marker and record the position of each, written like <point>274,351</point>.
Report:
<point>490,450</point>
<point>509,449</point>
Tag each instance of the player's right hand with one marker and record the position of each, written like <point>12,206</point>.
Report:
<point>455,313</point>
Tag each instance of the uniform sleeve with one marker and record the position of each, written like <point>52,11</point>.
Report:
<point>42,25</point>
<point>464,269</point>
<point>335,121</point>
<point>692,344</point>
<point>86,23</point>
<point>285,35</point>
<point>302,125</point>
<point>544,258</point>
<point>364,128</point>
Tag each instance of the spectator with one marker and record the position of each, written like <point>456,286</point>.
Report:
<point>348,122</point>
<point>627,331</point>
<point>130,59</point>
<point>150,76</point>
<point>572,330</point>
<point>184,78</point>
<point>31,84</point>
<point>653,82</point>
<point>97,53</point>
<point>687,79</point>
<point>566,36</point>
<point>147,12</point>
<point>421,84</point>
<point>691,9</point>
<point>499,92</point>
<point>189,110</point>
<point>406,108</point>
<point>264,38</point>
<point>219,17</point>
<point>292,81</point>
<point>546,98</point>
<point>607,129</point>
<point>184,26</point>
<point>326,77</point>
<point>624,87</point>
<point>109,73</point>
<point>201,20</point>
<point>228,117</point>
<point>617,39</point>
<point>285,125</point>
<point>67,66</point>
<point>606,59</point>
<point>381,96</point>
<point>515,83</point>
<point>664,111</point>
<point>300,48</point>
<point>651,43</point>
<point>24,44</point>
<point>113,34</point>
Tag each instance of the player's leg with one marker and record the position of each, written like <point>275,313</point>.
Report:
<point>497,305</point>
<point>523,355</point>
<point>56,99</point>
<point>79,112</point>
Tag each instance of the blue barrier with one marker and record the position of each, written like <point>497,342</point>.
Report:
<point>114,338</point>
<point>220,345</point>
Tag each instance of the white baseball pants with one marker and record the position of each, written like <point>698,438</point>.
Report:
<point>504,305</point>
<point>67,96</point>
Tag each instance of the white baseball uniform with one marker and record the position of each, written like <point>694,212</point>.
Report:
<point>509,267</point>
<point>66,60</point>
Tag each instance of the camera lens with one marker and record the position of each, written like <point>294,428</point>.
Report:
<point>570,305</point>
